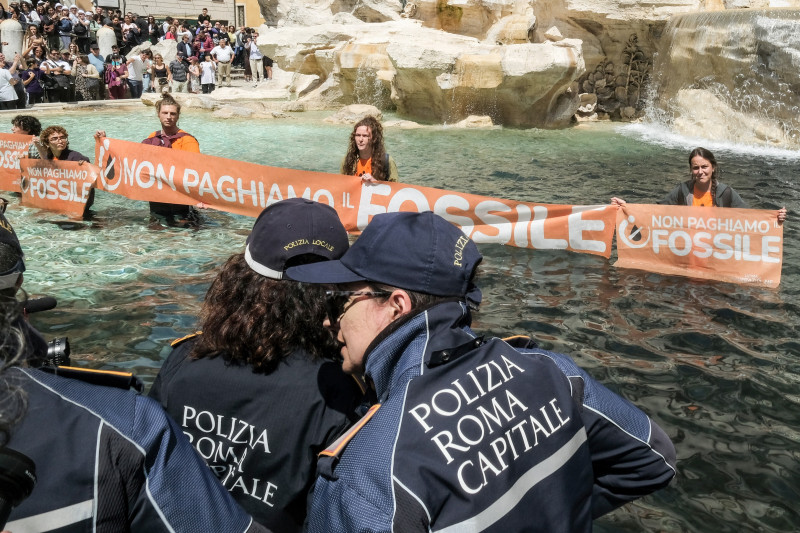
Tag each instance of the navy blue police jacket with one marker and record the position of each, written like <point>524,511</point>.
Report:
<point>476,435</point>
<point>259,433</point>
<point>111,460</point>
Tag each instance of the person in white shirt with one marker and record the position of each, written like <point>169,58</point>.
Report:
<point>8,96</point>
<point>208,78</point>
<point>256,59</point>
<point>135,72</point>
<point>223,56</point>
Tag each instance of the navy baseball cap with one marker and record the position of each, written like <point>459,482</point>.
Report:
<point>420,252</point>
<point>292,228</point>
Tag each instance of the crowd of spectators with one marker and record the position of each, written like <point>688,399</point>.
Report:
<point>61,60</point>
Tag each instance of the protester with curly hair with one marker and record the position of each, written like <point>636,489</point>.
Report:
<point>366,156</point>
<point>259,370</point>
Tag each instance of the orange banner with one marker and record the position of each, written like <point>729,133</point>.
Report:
<point>61,186</point>
<point>734,245</point>
<point>143,172</point>
<point>13,147</point>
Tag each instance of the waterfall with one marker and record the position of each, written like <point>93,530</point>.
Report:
<point>730,76</point>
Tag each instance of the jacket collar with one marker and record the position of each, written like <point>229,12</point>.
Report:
<point>405,347</point>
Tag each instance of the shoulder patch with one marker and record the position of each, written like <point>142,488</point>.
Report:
<point>520,342</point>
<point>105,378</point>
<point>178,342</point>
<point>338,446</point>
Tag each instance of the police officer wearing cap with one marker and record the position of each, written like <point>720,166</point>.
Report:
<point>468,433</point>
<point>255,391</point>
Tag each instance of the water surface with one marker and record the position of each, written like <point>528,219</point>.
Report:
<point>717,365</point>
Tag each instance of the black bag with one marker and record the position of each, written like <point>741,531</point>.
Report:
<point>48,82</point>
<point>80,30</point>
<point>63,81</point>
<point>92,84</point>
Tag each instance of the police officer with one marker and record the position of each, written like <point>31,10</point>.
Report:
<point>467,433</point>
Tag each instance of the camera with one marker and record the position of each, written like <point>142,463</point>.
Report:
<point>58,352</point>
<point>17,479</point>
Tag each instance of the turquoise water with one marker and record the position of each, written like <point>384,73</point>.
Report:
<point>717,365</point>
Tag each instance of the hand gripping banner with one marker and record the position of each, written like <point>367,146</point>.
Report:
<point>734,245</point>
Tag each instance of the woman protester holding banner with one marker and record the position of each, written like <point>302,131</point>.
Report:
<point>703,189</point>
<point>366,156</point>
<point>54,144</point>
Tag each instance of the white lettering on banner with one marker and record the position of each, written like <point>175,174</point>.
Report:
<point>510,225</point>
<point>501,427</point>
<point>55,189</point>
<point>9,159</point>
<point>578,225</point>
<point>733,239</point>
<point>199,184</point>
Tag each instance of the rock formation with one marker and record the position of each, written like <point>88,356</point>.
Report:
<point>520,62</point>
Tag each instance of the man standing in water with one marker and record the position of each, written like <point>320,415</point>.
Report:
<point>170,136</point>
<point>468,433</point>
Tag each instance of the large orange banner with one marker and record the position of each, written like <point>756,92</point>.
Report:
<point>734,245</point>
<point>61,186</point>
<point>13,147</point>
<point>144,172</point>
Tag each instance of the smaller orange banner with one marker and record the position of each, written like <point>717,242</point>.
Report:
<point>13,147</point>
<point>734,245</point>
<point>61,186</point>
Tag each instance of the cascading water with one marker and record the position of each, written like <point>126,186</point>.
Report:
<point>369,89</point>
<point>730,76</point>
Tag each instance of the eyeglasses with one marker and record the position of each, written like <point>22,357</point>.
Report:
<point>336,302</point>
<point>56,139</point>
<point>3,205</point>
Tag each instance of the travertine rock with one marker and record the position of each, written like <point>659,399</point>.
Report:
<point>431,75</point>
<point>353,113</point>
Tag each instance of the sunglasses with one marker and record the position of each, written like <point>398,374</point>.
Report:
<point>336,302</point>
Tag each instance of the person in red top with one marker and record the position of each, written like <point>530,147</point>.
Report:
<point>170,136</point>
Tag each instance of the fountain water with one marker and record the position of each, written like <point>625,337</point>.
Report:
<point>731,75</point>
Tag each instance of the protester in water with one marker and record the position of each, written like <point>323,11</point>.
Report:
<point>366,156</point>
<point>260,368</point>
<point>703,189</point>
<point>28,125</point>
<point>469,433</point>
<point>54,144</point>
<point>106,458</point>
<point>55,140</point>
<point>170,136</point>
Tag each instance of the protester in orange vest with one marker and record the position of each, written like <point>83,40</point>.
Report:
<point>170,136</point>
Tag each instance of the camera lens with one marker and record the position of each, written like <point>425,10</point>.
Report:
<point>58,352</point>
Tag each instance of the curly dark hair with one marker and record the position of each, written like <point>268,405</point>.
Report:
<point>250,319</point>
<point>379,172</point>
<point>708,156</point>
<point>13,401</point>
<point>27,123</point>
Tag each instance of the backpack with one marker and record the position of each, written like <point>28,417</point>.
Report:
<point>64,26</point>
<point>79,29</point>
